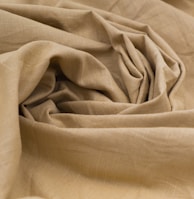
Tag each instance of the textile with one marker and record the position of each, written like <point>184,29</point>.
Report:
<point>96,99</point>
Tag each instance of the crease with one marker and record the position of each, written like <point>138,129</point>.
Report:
<point>113,5</point>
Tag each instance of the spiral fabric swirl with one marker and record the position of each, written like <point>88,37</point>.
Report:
<point>96,99</point>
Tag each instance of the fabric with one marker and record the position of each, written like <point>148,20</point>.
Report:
<point>185,5</point>
<point>96,99</point>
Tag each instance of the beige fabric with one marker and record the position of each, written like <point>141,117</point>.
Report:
<point>96,100</point>
<point>185,5</point>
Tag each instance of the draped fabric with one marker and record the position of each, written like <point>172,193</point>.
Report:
<point>96,99</point>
